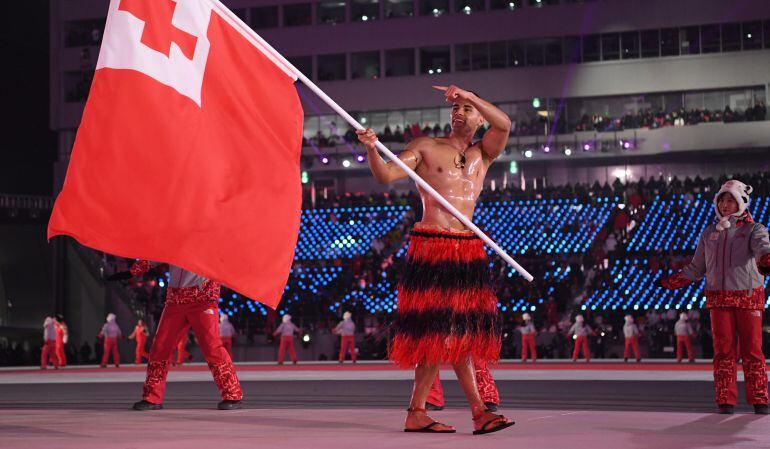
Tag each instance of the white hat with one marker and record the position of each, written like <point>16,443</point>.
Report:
<point>526,317</point>
<point>579,318</point>
<point>347,316</point>
<point>629,319</point>
<point>48,321</point>
<point>683,316</point>
<point>286,318</point>
<point>111,317</point>
<point>740,192</point>
<point>223,317</point>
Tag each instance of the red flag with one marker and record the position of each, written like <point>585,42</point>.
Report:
<point>189,147</point>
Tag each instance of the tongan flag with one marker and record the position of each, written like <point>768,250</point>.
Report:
<point>189,147</point>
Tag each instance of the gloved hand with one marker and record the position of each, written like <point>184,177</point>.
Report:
<point>763,264</point>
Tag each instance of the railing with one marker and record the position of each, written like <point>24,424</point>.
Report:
<point>26,202</point>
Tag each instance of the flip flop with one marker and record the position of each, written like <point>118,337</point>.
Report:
<point>498,418</point>
<point>430,429</point>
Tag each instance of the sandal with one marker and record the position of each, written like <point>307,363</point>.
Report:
<point>503,423</point>
<point>430,427</point>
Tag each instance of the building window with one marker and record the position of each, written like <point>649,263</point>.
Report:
<point>592,49</point>
<point>766,33</point>
<point>669,42</point>
<point>510,5</point>
<point>690,40</point>
<point>365,65</point>
<point>752,35</point>
<point>331,67</point>
<point>241,13</point>
<point>76,85</point>
<point>364,10</point>
<point>264,17</point>
<point>710,39</point>
<point>497,55</point>
<point>463,57</point>
<point>731,37</point>
<point>480,56</point>
<point>434,8</point>
<point>535,53</point>
<point>650,42</point>
<point>572,50</point>
<point>399,8</point>
<point>297,15</point>
<point>629,45</point>
<point>434,60</point>
<point>516,53</point>
<point>304,64</point>
<point>330,12</point>
<point>399,62</point>
<point>553,51</point>
<point>468,6</point>
<point>610,46</point>
<point>82,33</point>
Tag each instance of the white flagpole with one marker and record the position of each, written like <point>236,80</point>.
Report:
<point>271,52</point>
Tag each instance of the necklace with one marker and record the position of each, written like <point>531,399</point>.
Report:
<point>460,162</point>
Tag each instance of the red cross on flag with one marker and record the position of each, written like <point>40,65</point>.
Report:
<point>188,150</point>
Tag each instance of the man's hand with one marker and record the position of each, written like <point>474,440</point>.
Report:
<point>367,137</point>
<point>454,93</point>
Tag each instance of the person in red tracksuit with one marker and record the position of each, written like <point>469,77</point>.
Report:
<point>733,255</point>
<point>631,334</point>
<point>286,330</point>
<point>226,333</point>
<point>346,329</point>
<point>684,334</point>
<point>191,300</point>
<point>110,333</point>
<point>49,344</point>
<point>140,334</point>
<point>528,333</point>
<point>62,336</point>
<point>580,332</point>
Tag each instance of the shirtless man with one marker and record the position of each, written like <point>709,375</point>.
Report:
<point>447,311</point>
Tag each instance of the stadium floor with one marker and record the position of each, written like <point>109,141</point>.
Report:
<point>555,404</point>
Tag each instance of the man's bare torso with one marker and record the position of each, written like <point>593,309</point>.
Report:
<point>460,186</point>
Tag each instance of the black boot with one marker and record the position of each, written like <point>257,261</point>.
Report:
<point>726,409</point>
<point>761,409</point>
<point>229,405</point>
<point>144,406</point>
<point>491,406</point>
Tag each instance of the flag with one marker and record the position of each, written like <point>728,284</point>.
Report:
<point>188,150</point>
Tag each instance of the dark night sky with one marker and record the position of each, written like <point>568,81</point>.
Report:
<point>27,146</point>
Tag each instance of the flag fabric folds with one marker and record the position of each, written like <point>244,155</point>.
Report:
<point>188,150</point>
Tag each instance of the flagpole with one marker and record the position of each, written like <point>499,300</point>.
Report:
<point>354,123</point>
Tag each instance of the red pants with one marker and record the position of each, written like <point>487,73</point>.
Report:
<point>528,345</point>
<point>60,354</point>
<point>581,343</point>
<point>726,324</point>
<point>181,347</point>
<point>348,343</point>
<point>49,354</point>
<point>110,346</point>
<point>141,343</point>
<point>287,342</point>
<point>227,342</point>
<point>484,381</point>
<point>632,343</point>
<point>203,317</point>
<point>684,342</point>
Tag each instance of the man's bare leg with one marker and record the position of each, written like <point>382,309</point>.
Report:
<point>467,378</point>
<point>417,418</point>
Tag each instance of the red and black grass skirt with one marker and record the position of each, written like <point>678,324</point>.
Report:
<point>447,309</point>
